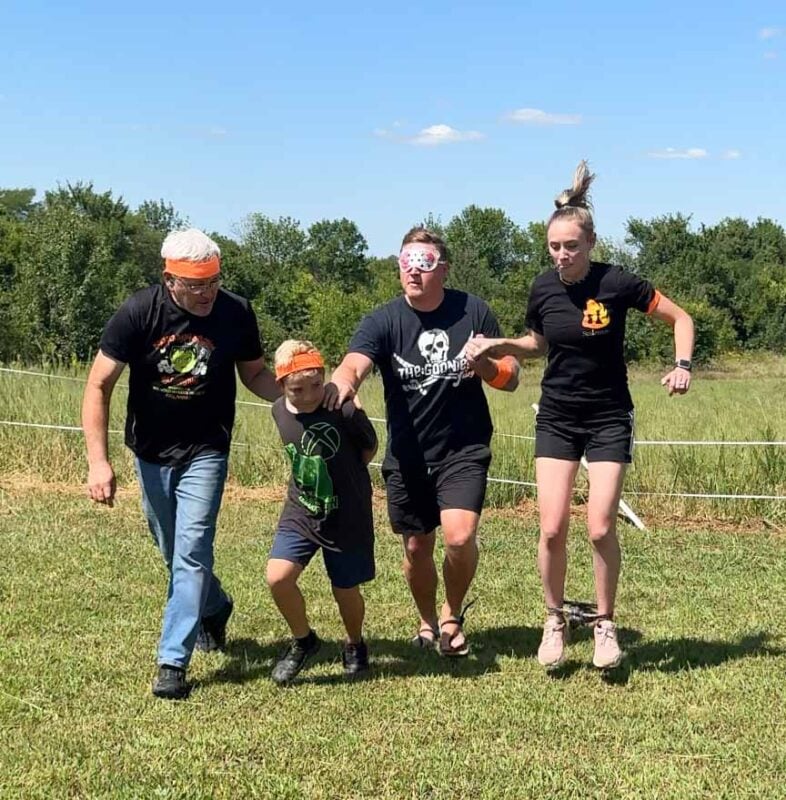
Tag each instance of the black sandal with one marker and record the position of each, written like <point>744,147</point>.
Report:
<point>446,648</point>
<point>424,642</point>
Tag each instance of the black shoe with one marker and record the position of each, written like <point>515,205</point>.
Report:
<point>355,657</point>
<point>170,683</point>
<point>296,656</point>
<point>212,634</point>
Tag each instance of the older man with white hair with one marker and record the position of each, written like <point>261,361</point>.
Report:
<point>182,340</point>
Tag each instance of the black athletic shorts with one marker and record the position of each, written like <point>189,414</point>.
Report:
<point>416,496</point>
<point>600,434</point>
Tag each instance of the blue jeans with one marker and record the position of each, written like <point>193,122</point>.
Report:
<point>181,505</point>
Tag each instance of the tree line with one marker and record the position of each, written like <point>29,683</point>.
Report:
<point>69,259</point>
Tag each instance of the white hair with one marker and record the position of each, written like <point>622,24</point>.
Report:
<point>189,245</point>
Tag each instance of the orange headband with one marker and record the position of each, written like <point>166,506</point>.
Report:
<point>300,362</point>
<point>193,269</point>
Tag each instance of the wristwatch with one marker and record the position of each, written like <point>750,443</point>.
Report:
<point>684,363</point>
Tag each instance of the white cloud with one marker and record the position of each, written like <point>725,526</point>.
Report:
<point>535,116</point>
<point>673,152</point>
<point>770,33</point>
<point>770,55</point>
<point>432,136</point>
<point>443,134</point>
<point>732,154</point>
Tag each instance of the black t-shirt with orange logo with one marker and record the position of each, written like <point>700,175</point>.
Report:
<point>181,387</point>
<point>584,326</point>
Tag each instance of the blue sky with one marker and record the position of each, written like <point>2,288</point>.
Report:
<point>316,110</point>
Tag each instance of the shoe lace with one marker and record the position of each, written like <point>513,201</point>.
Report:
<point>553,629</point>
<point>608,633</point>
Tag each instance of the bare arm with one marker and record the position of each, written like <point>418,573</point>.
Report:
<point>677,381</point>
<point>101,382</point>
<point>347,377</point>
<point>531,345</point>
<point>257,378</point>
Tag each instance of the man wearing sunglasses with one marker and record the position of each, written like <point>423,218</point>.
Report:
<point>438,424</point>
<point>182,340</point>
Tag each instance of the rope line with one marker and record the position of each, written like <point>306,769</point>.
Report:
<point>505,481</point>
<point>501,434</point>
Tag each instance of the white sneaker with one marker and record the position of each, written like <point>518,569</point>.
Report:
<point>607,649</point>
<point>551,652</point>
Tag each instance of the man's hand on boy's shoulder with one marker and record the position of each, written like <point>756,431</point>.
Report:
<point>336,394</point>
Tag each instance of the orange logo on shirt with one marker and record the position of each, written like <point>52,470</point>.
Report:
<point>596,316</point>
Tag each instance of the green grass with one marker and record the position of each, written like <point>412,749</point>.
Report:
<point>698,710</point>
<point>744,400</point>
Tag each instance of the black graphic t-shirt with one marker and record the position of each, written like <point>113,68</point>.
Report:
<point>584,326</point>
<point>181,395</point>
<point>329,495</point>
<point>436,407</point>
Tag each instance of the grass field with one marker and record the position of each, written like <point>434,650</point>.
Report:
<point>742,400</point>
<point>697,711</point>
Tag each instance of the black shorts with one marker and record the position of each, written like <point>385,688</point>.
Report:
<point>601,435</point>
<point>416,496</point>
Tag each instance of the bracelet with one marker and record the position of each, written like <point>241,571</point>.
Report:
<point>505,371</point>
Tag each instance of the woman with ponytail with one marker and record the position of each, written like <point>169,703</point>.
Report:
<point>576,317</point>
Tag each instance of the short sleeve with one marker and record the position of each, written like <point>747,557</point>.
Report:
<point>638,292</point>
<point>250,347</point>
<point>359,426</point>
<point>533,320</point>
<point>488,324</point>
<point>122,339</point>
<point>369,339</point>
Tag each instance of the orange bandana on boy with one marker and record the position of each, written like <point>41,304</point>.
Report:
<point>300,362</point>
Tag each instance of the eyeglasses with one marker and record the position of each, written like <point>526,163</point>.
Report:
<point>200,287</point>
<point>421,259</point>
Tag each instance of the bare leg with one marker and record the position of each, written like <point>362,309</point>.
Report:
<point>421,575</point>
<point>352,610</point>
<point>555,479</point>
<point>459,528</point>
<point>606,479</point>
<point>282,579</point>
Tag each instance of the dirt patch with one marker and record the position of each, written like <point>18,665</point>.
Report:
<point>526,509</point>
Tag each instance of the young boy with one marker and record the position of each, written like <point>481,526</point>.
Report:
<point>328,507</point>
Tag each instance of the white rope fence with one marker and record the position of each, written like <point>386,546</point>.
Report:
<point>502,481</point>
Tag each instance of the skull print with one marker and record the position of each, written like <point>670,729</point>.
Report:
<point>433,346</point>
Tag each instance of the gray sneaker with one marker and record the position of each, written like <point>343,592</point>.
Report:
<point>551,652</point>
<point>608,653</point>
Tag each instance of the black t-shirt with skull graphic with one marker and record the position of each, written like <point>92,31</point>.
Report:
<point>584,326</point>
<point>436,407</point>
<point>329,495</point>
<point>181,387</point>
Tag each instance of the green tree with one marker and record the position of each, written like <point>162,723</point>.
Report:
<point>336,251</point>
<point>16,204</point>
<point>161,216</point>
<point>489,234</point>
